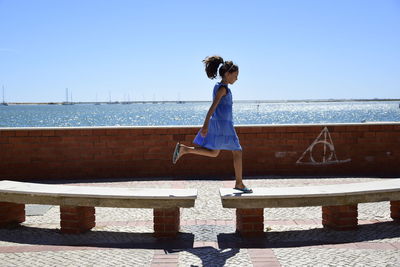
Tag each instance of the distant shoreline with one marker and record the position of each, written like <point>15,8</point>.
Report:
<point>200,101</point>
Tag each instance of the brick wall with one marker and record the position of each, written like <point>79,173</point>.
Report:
<point>371,149</point>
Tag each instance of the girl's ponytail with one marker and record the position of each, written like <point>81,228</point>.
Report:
<point>211,65</point>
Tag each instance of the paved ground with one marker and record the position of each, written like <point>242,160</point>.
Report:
<point>122,237</point>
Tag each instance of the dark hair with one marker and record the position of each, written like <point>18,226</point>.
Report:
<point>212,63</point>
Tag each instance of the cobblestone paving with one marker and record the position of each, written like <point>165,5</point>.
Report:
<point>336,257</point>
<point>106,258</point>
<point>207,233</point>
<point>123,237</point>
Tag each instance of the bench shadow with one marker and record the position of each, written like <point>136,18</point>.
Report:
<point>183,242</point>
<point>209,256</point>
<point>30,235</point>
<point>311,237</point>
<point>229,244</point>
<point>102,239</point>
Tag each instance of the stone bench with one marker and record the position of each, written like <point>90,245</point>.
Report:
<point>77,204</point>
<point>339,203</point>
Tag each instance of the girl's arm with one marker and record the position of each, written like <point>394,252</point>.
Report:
<point>220,93</point>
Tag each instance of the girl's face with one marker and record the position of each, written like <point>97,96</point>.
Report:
<point>231,77</point>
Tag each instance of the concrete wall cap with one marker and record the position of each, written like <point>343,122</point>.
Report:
<point>35,189</point>
<point>195,126</point>
<point>386,186</point>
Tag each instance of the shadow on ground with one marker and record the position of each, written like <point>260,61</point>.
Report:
<point>102,239</point>
<point>209,256</point>
<point>275,239</point>
<point>229,244</point>
<point>311,237</point>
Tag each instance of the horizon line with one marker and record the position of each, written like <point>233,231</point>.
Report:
<point>198,101</point>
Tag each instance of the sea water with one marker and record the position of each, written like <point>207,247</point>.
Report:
<point>193,113</point>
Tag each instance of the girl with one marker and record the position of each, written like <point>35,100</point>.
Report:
<point>218,132</point>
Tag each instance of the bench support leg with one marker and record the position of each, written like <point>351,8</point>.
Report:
<point>342,218</point>
<point>166,222</point>
<point>395,210</point>
<point>76,219</point>
<point>250,222</point>
<point>11,214</point>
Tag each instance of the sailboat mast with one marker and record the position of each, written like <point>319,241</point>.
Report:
<point>4,101</point>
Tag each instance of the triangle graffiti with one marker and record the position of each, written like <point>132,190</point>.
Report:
<point>328,154</point>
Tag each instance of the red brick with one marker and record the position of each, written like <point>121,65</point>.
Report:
<point>395,203</point>
<point>88,224</point>
<point>258,227</point>
<point>171,212</point>
<point>76,219</point>
<point>98,132</point>
<point>188,130</point>
<point>178,137</point>
<point>250,222</point>
<point>158,212</point>
<point>21,133</point>
<point>154,157</point>
<point>4,140</point>
<point>7,133</point>
<point>395,210</point>
<point>35,133</point>
<point>158,149</point>
<point>190,137</point>
<point>11,213</point>
<point>47,132</point>
<point>111,132</point>
<point>70,224</point>
<point>340,217</point>
<point>255,212</point>
<point>274,263</point>
<point>86,132</point>
<point>87,153</point>
<point>69,209</point>
<point>165,259</point>
<point>166,222</point>
<point>174,227</point>
<point>159,227</point>
<point>252,219</point>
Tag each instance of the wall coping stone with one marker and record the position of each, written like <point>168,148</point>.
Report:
<point>195,126</point>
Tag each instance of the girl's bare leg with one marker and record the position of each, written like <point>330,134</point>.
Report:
<point>197,151</point>
<point>237,164</point>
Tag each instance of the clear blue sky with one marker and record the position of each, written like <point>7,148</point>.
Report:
<point>153,49</point>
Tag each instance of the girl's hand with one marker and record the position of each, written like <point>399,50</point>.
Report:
<point>203,131</point>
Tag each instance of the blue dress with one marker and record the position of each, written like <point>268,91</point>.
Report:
<point>221,133</point>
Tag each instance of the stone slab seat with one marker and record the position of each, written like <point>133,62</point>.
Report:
<point>339,202</point>
<point>77,203</point>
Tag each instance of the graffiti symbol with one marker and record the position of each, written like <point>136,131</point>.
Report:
<point>328,154</point>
